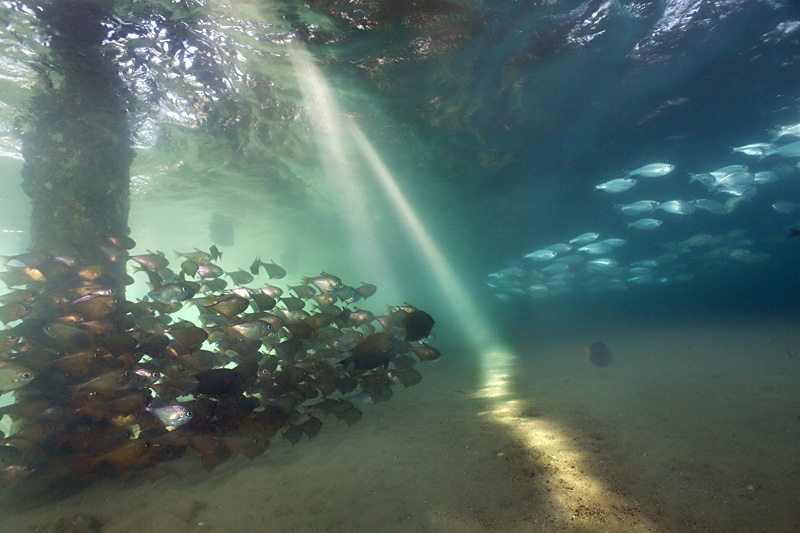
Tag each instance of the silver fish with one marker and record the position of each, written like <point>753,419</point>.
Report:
<point>787,150</point>
<point>705,178</point>
<point>737,178</point>
<point>765,176</point>
<point>596,248</point>
<point>638,208</point>
<point>645,223</point>
<point>603,262</point>
<point>559,248</point>
<point>784,207</point>
<point>792,129</point>
<point>678,207</point>
<point>712,206</point>
<point>541,255</point>
<point>653,170</point>
<point>614,242</point>
<point>697,240</point>
<point>747,191</point>
<point>727,170</point>
<point>555,268</point>
<point>616,185</point>
<point>570,259</point>
<point>754,149</point>
<point>584,238</point>
<point>733,202</point>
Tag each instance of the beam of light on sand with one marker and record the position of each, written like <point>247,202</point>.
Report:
<point>556,450</point>
<point>561,456</point>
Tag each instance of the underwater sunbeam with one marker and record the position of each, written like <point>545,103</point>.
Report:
<point>328,135</point>
<point>474,324</point>
<point>330,130</point>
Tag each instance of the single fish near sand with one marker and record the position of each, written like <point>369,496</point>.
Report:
<point>598,353</point>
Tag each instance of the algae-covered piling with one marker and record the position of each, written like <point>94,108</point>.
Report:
<point>76,139</point>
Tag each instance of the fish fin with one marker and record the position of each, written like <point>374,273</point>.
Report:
<point>587,351</point>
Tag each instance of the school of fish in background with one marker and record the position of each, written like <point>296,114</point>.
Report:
<point>103,385</point>
<point>590,261</point>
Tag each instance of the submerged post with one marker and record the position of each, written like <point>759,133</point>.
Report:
<point>77,146</point>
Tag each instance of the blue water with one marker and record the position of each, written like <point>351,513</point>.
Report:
<point>496,120</point>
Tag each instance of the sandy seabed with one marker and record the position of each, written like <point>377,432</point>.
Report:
<point>691,428</point>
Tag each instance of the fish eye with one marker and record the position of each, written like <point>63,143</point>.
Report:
<point>26,375</point>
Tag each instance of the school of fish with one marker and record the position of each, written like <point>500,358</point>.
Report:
<point>107,386</point>
<point>595,263</point>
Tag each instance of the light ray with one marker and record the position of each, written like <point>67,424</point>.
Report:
<point>498,362</point>
<point>473,323</point>
<point>329,135</point>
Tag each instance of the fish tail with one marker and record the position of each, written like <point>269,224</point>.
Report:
<point>5,259</point>
<point>177,254</point>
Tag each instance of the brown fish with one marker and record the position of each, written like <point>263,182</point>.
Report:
<point>198,256</point>
<point>230,306</point>
<point>12,312</point>
<point>273,271</point>
<point>18,296</point>
<point>151,261</point>
<point>95,306</point>
<point>303,291</point>
<point>373,351</point>
<point>29,259</point>
<point>123,242</point>
<point>240,277</point>
<point>426,353</point>
<point>13,376</point>
<point>13,473</point>
<point>366,290</point>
